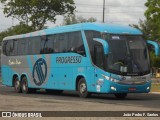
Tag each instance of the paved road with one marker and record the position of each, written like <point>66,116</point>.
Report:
<point>42,101</point>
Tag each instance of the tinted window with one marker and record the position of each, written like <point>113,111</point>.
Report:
<point>34,45</point>
<point>16,46</point>
<point>60,43</point>
<point>54,43</point>
<point>4,47</point>
<point>8,47</point>
<point>22,47</point>
<point>89,36</point>
<point>75,43</point>
<point>46,44</point>
<point>99,56</point>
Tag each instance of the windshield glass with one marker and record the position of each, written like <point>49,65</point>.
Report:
<point>128,55</point>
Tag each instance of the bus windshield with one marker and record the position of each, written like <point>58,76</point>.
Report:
<point>128,55</point>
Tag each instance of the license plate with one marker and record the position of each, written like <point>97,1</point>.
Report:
<point>132,89</point>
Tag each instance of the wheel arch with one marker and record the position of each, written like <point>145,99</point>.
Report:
<point>13,78</point>
<point>77,80</point>
<point>24,75</point>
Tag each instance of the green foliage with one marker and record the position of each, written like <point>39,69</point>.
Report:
<point>153,17</point>
<point>72,19</point>
<point>18,29</point>
<point>155,60</point>
<point>151,26</point>
<point>144,26</point>
<point>37,12</point>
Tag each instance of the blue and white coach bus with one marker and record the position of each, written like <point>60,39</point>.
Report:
<point>88,58</point>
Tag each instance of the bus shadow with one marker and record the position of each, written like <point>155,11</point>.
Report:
<point>146,100</point>
<point>131,96</point>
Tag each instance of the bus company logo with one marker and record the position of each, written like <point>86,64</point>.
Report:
<point>39,72</point>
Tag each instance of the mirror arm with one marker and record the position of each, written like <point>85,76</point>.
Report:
<point>156,46</point>
<point>104,44</point>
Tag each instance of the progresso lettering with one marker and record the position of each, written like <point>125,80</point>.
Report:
<point>69,59</point>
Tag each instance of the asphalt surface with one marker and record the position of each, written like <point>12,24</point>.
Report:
<point>70,101</point>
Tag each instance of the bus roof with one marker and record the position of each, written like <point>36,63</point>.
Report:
<point>108,28</point>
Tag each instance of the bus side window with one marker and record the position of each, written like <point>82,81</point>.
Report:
<point>60,43</point>
<point>34,45</point>
<point>22,46</point>
<point>4,45</point>
<point>89,36</point>
<point>56,44</point>
<point>75,43</point>
<point>47,44</point>
<point>63,42</point>
<point>8,47</point>
<point>16,46</point>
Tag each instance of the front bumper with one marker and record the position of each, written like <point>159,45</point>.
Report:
<point>113,87</point>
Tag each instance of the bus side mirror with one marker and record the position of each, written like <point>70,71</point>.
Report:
<point>104,44</point>
<point>155,45</point>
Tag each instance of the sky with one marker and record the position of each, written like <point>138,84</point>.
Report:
<point>123,12</point>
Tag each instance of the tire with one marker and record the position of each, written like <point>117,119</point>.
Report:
<point>82,89</point>
<point>17,85</point>
<point>120,95</point>
<point>24,86</point>
<point>54,91</point>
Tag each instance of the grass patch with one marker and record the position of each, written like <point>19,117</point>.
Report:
<point>155,87</point>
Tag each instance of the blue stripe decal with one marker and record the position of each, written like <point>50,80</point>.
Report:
<point>29,63</point>
<point>44,57</point>
<point>35,57</point>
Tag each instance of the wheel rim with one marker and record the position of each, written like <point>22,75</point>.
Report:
<point>24,86</point>
<point>82,88</point>
<point>17,85</point>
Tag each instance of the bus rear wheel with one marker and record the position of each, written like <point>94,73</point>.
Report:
<point>82,88</point>
<point>120,95</point>
<point>17,85</point>
<point>24,86</point>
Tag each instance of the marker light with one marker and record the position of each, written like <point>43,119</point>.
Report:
<point>113,88</point>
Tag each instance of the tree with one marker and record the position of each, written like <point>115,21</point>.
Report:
<point>144,26</point>
<point>153,17</point>
<point>72,19</point>
<point>151,26</point>
<point>155,61</point>
<point>37,12</point>
<point>18,29</point>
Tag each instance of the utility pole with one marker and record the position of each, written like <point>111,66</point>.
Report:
<point>103,10</point>
<point>12,21</point>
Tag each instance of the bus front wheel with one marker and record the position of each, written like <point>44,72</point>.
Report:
<point>17,85</point>
<point>120,95</point>
<point>82,88</point>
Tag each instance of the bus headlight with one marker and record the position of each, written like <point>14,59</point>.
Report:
<point>148,88</point>
<point>110,79</point>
